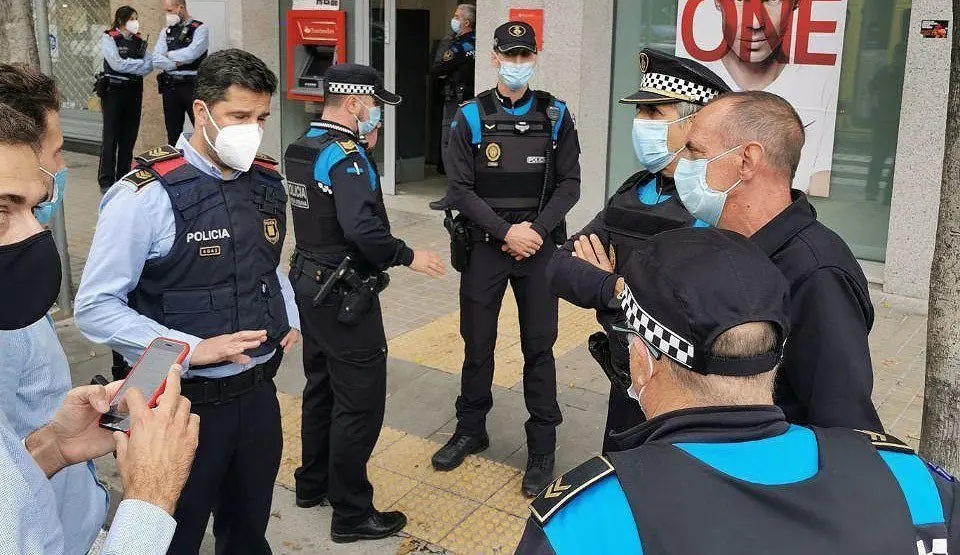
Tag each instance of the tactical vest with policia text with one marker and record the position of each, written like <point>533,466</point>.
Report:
<point>181,35</point>
<point>511,159</point>
<point>630,222</point>
<point>220,275</point>
<point>133,47</point>
<point>312,200</point>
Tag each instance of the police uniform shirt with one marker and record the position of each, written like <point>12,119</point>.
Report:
<point>111,55</point>
<point>136,225</point>
<point>582,283</point>
<point>587,510</point>
<point>166,60</point>
<point>461,51</point>
<point>459,161</point>
<point>826,378</point>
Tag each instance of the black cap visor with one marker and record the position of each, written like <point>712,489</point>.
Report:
<point>387,97</point>
<point>628,332</point>
<point>507,48</point>
<point>647,96</point>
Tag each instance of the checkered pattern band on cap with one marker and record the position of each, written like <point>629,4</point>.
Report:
<point>667,341</point>
<point>673,86</point>
<point>350,88</point>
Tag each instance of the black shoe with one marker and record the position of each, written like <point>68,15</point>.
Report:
<point>452,454</point>
<point>539,474</point>
<point>440,204</point>
<point>306,502</point>
<point>376,526</point>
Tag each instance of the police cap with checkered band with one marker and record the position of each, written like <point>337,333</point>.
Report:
<point>666,78</point>
<point>686,287</point>
<point>357,79</point>
<point>515,34</point>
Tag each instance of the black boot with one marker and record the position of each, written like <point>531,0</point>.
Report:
<point>305,502</point>
<point>440,204</point>
<point>120,368</point>
<point>539,474</point>
<point>376,526</point>
<point>452,454</point>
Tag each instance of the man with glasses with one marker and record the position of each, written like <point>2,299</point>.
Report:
<point>718,469</point>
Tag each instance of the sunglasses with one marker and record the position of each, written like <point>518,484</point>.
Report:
<point>629,332</point>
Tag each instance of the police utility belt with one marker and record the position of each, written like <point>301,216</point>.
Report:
<point>356,290</point>
<point>220,390</point>
<point>166,81</point>
<point>112,82</point>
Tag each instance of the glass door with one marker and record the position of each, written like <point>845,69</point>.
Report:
<point>381,49</point>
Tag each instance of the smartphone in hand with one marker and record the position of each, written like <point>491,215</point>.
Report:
<point>149,376</point>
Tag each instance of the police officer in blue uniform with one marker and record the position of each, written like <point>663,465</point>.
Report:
<point>121,85</point>
<point>178,53</point>
<point>584,270</point>
<point>188,246</point>
<point>454,66</point>
<point>513,171</point>
<point>344,246</point>
<point>717,469</point>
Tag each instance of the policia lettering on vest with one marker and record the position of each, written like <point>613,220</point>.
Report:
<point>584,270</point>
<point>188,246</point>
<point>718,469</point>
<point>344,246</point>
<point>513,172</point>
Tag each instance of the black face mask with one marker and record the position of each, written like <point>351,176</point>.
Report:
<point>29,280</point>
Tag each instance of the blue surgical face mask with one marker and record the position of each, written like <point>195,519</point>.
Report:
<point>700,200</point>
<point>650,143</point>
<point>455,25</point>
<point>516,76</point>
<point>45,210</point>
<point>373,120</point>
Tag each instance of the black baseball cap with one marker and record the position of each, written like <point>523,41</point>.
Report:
<point>668,78</point>
<point>515,34</point>
<point>357,79</point>
<point>686,287</point>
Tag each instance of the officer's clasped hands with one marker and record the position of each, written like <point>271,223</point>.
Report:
<point>522,241</point>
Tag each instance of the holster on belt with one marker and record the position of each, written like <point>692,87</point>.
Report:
<point>460,243</point>
<point>357,290</point>
<point>165,81</point>
<point>599,346</point>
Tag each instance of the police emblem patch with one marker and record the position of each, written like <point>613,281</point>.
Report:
<point>271,230</point>
<point>517,30</point>
<point>644,62</point>
<point>448,55</point>
<point>493,153</point>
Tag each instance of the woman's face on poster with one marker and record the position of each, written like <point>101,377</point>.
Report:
<point>754,29</point>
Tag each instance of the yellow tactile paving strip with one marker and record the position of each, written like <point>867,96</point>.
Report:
<point>438,344</point>
<point>477,508</point>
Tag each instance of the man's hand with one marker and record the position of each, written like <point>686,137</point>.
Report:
<point>155,461</point>
<point>229,347</point>
<point>590,249</point>
<point>75,434</point>
<point>522,241</point>
<point>289,340</point>
<point>427,263</point>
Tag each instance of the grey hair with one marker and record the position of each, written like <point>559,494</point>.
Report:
<point>743,341</point>
<point>469,12</point>
<point>687,109</point>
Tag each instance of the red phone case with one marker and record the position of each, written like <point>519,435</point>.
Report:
<point>179,360</point>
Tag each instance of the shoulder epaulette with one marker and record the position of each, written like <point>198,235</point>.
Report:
<point>887,442</point>
<point>348,147</point>
<point>196,23</point>
<point>139,178</point>
<point>112,32</point>
<point>158,154</point>
<point>567,486</point>
<point>266,159</point>
<point>465,102</point>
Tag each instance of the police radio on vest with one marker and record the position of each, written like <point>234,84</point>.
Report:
<point>208,235</point>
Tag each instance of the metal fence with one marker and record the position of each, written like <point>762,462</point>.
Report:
<point>75,29</point>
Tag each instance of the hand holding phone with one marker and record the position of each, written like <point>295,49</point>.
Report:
<point>148,376</point>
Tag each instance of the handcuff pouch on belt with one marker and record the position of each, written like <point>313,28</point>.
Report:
<point>357,291</point>
<point>460,243</point>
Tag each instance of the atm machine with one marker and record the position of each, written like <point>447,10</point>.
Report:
<point>316,39</point>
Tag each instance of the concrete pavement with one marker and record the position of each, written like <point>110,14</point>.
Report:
<point>478,508</point>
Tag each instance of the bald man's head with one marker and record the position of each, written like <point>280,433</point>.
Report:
<point>742,117</point>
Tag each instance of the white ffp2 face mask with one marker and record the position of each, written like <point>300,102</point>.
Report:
<point>132,26</point>
<point>236,145</point>
<point>172,19</point>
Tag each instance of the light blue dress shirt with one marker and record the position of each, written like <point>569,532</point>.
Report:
<point>30,523</point>
<point>136,225</point>
<point>166,60</point>
<point>34,379</point>
<point>134,66</point>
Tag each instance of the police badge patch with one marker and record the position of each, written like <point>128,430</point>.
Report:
<point>448,55</point>
<point>493,153</point>
<point>271,230</point>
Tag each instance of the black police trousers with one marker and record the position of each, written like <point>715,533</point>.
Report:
<point>482,287</point>
<point>343,402</point>
<point>121,125</point>
<point>233,474</point>
<point>177,100</point>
